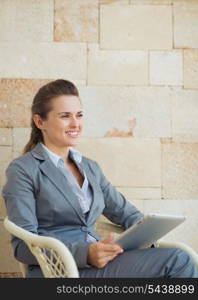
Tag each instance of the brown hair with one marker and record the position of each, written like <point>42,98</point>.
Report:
<point>41,105</point>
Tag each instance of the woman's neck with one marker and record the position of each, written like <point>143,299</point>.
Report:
<point>62,152</point>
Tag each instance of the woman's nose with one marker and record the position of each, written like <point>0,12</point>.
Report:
<point>74,121</point>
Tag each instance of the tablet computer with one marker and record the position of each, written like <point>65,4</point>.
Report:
<point>148,230</point>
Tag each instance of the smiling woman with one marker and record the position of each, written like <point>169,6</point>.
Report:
<point>52,190</point>
<point>56,117</point>
<point>63,125</point>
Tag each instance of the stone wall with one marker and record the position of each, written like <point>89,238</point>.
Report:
<point>136,66</point>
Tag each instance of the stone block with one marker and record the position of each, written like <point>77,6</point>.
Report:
<point>184,115</point>
<point>153,112</point>
<point>126,162</point>
<point>179,171</point>
<point>166,67</point>
<point>3,167</point>
<point>184,2</point>
<point>5,136</point>
<point>114,2</point>
<point>7,261</point>
<point>108,111</point>
<point>2,208</point>
<point>117,67</point>
<point>127,111</point>
<point>30,20</point>
<point>152,2</point>
<point>48,60</point>
<point>140,193</point>
<point>76,21</point>
<point>21,137</point>
<point>191,69</point>
<point>130,32</point>
<point>5,154</point>
<point>16,99</point>
<point>186,24</point>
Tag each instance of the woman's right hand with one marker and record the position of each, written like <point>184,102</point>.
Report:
<point>100,253</point>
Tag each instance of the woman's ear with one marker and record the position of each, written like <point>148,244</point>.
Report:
<point>38,121</point>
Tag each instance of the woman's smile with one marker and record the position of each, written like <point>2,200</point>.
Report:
<point>72,134</point>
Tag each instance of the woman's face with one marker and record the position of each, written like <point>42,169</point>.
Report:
<point>64,122</point>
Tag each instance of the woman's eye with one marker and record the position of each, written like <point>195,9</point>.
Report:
<point>67,116</point>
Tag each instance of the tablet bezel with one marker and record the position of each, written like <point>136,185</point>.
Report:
<point>148,230</point>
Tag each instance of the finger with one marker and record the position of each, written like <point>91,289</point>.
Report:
<point>104,260</point>
<point>109,239</point>
<point>103,254</point>
<point>111,248</point>
<point>107,254</point>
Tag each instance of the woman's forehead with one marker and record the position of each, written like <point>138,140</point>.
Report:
<point>66,103</point>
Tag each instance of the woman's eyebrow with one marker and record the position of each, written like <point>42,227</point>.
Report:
<point>68,112</point>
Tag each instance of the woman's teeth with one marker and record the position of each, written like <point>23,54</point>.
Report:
<point>72,133</point>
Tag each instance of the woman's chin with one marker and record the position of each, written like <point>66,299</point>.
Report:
<point>73,142</point>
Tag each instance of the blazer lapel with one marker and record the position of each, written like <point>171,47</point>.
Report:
<point>58,179</point>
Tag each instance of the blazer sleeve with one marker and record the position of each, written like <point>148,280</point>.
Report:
<point>117,208</point>
<point>20,199</point>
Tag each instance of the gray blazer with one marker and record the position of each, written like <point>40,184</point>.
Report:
<point>39,199</point>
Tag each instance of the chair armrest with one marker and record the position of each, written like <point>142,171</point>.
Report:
<point>53,256</point>
<point>180,245</point>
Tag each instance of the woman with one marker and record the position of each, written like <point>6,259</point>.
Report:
<point>53,190</point>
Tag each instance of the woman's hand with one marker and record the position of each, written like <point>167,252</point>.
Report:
<point>100,253</point>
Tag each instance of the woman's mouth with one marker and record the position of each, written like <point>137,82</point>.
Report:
<point>72,134</point>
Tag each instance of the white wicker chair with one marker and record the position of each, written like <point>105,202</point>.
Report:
<point>53,256</point>
<point>55,259</point>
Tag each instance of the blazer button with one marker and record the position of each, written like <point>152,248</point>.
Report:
<point>84,228</point>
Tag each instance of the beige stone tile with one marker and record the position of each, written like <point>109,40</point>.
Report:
<point>48,60</point>
<point>2,208</point>
<point>140,193</point>
<point>129,30</point>
<point>126,111</point>
<point>5,159</point>
<point>179,2</point>
<point>26,20</point>
<point>191,69</point>
<point>5,154</point>
<point>153,112</point>
<point>114,2</point>
<point>108,111</point>
<point>185,232</point>
<point>179,171</point>
<point>76,21</point>
<point>3,167</point>
<point>15,101</point>
<point>139,204</point>
<point>5,136</point>
<point>152,2</point>
<point>21,137</point>
<point>126,162</point>
<point>166,67</point>
<point>117,67</point>
<point>7,261</point>
<point>186,24</point>
<point>184,115</point>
